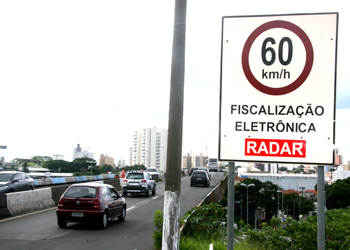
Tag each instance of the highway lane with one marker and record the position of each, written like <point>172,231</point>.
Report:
<point>40,231</point>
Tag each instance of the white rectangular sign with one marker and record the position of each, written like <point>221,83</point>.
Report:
<point>278,88</point>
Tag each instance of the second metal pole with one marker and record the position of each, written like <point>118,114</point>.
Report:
<point>231,206</point>
<point>320,209</point>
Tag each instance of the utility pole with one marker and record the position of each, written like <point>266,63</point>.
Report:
<point>302,192</point>
<point>320,209</point>
<point>171,218</point>
<point>230,206</point>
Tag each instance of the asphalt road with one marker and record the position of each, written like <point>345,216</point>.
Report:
<point>39,230</point>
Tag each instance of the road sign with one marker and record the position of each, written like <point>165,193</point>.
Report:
<point>278,81</point>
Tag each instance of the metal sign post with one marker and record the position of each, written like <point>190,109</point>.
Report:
<point>231,206</point>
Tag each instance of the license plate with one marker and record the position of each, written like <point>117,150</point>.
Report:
<point>134,184</point>
<point>199,178</point>
<point>75,214</point>
<point>136,191</point>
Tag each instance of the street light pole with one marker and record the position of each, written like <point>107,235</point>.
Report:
<point>91,165</point>
<point>302,191</point>
<point>279,191</point>
<point>250,185</point>
<point>278,203</point>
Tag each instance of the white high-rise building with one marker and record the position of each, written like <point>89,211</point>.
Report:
<point>78,152</point>
<point>150,148</point>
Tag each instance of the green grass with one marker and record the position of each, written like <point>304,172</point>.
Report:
<point>201,241</point>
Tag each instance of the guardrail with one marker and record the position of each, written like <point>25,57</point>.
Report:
<point>48,192</point>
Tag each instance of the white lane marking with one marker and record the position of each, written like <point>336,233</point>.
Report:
<point>130,208</point>
<point>155,197</point>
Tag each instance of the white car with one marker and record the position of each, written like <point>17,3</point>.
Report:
<point>152,170</point>
<point>137,182</point>
<point>206,170</point>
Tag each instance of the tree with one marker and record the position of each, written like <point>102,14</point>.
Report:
<point>106,168</point>
<point>81,164</point>
<point>59,166</point>
<point>293,202</point>
<point>39,160</point>
<point>262,195</point>
<point>283,169</point>
<point>337,194</point>
<point>25,167</point>
<point>21,161</point>
<point>134,167</point>
<point>312,171</point>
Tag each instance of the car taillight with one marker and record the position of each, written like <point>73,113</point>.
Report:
<point>144,181</point>
<point>60,203</point>
<point>97,204</point>
<point>205,178</point>
<point>125,180</point>
<point>192,177</point>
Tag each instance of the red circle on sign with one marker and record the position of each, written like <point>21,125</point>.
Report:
<point>308,63</point>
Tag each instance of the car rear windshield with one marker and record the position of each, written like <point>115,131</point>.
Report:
<point>199,174</point>
<point>151,170</point>
<point>135,176</point>
<point>81,192</point>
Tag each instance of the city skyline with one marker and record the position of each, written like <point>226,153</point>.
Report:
<point>103,71</point>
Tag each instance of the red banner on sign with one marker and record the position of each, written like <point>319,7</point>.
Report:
<point>277,148</point>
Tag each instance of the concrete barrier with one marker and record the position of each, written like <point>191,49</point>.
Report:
<point>24,202</point>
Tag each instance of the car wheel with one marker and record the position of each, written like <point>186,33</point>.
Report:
<point>148,192</point>
<point>125,194</point>
<point>154,191</point>
<point>30,188</point>
<point>208,184</point>
<point>103,221</point>
<point>122,215</point>
<point>191,185</point>
<point>61,223</point>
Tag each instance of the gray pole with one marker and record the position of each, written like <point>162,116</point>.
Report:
<point>247,207</point>
<point>230,205</point>
<point>282,207</point>
<point>320,209</point>
<point>278,195</point>
<point>171,218</point>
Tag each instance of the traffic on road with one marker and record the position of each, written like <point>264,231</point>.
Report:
<point>40,229</point>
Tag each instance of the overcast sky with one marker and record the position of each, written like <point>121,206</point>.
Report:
<point>93,72</point>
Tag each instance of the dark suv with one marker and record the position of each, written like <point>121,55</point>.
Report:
<point>200,177</point>
<point>139,182</point>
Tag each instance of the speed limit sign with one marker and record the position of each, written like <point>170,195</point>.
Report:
<point>277,93</point>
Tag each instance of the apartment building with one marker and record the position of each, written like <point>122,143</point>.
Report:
<point>199,160</point>
<point>105,159</point>
<point>150,148</point>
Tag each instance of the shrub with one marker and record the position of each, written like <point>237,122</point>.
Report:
<point>158,232</point>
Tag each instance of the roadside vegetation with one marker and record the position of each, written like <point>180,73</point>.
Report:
<point>207,225</point>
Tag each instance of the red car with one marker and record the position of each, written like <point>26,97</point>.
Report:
<point>90,202</point>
